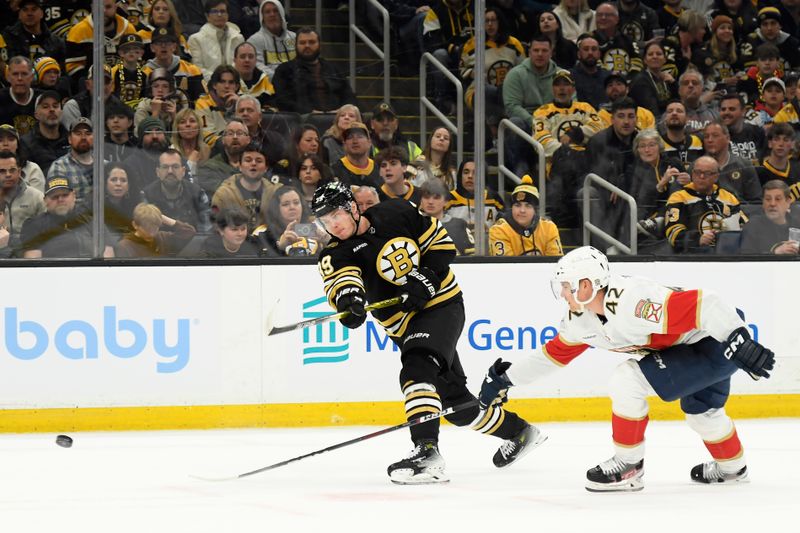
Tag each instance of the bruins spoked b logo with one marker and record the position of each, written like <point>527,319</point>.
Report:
<point>397,258</point>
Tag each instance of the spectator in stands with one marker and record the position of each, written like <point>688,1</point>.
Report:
<point>250,189</point>
<point>747,140</point>
<point>313,173</point>
<point>462,199</point>
<point>48,77</point>
<point>186,139</point>
<point>790,16</point>
<point>769,32</point>
<point>437,159</point>
<point>772,98</point>
<point>309,83</point>
<point>119,201</point>
<point>589,77</point>
<point>433,200</point>
<point>164,102</point>
<point>18,202</point>
<point>77,165</point>
<point>357,167</point>
<point>119,142</point>
<point>288,230</point>
<point>553,122</point>
<point>790,113</point>
<point>254,81</point>
<point>191,16</point>
<point>142,163</point>
<point>213,45</point>
<point>568,167</point>
<point>30,36</point>
<point>700,210</point>
<point>175,196</point>
<point>637,21</point>
<point>218,168</point>
<point>187,77</point>
<point>219,105</point>
<point>778,165</point>
<point>385,126</point>
<point>365,197</point>
<point>617,52</point>
<point>564,52</point>
<point>503,52</point>
<point>684,48</point>
<point>668,13</point>
<point>129,79</point>
<point>163,15</point>
<point>527,86</point>
<point>64,230</point>
<point>740,12</point>
<point>272,144</point>
<point>82,105</point>
<point>653,88</point>
<point>231,236</point>
<point>148,239</point>
<point>678,142</point>
<point>17,101</point>
<point>274,43</point>
<point>616,87</point>
<point>723,52</point>
<point>30,172</point>
<point>392,163</point>
<point>768,233</point>
<point>576,18</point>
<point>305,140</point>
<point>522,231</point>
<point>333,139</point>
<point>48,140</point>
<point>690,90</point>
<point>767,66</point>
<point>737,175</point>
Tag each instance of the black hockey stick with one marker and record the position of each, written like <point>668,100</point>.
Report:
<point>275,330</point>
<point>414,422</point>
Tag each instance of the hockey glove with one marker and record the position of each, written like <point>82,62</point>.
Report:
<point>495,385</point>
<point>352,300</point>
<point>748,355</point>
<point>421,285</point>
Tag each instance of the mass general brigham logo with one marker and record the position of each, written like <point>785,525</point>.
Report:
<point>324,343</point>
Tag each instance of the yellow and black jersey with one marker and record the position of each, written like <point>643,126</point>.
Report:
<point>3,50</point>
<point>506,238</point>
<point>129,85</point>
<point>687,151</point>
<point>789,175</point>
<point>461,205</point>
<point>689,214</point>
<point>551,121</point>
<point>399,239</point>
<point>354,176</point>
<point>260,88</point>
<point>61,16</point>
<point>619,54</point>
<point>212,119</point>
<point>498,60</point>
<point>80,41</point>
<point>644,118</point>
<point>788,113</point>
<point>412,195</point>
<point>188,78</point>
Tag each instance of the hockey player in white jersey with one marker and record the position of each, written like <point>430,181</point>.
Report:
<point>687,344</point>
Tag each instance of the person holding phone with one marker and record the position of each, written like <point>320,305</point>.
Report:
<point>288,231</point>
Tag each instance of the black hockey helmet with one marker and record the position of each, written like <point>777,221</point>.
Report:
<point>330,197</point>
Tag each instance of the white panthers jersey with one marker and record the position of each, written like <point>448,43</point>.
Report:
<point>640,317</point>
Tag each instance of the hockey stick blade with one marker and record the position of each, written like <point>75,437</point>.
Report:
<point>276,330</point>
<point>414,422</point>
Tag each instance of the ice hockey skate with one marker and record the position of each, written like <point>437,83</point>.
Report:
<point>615,475</point>
<point>518,446</point>
<point>423,466</point>
<point>711,473</point>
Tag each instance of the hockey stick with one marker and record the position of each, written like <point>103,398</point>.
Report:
<point>275,330</point>
<point>414,422</point>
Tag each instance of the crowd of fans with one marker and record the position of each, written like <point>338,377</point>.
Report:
<point>221,119</point>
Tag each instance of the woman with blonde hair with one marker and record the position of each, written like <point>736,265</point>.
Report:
<point>576,18</point>
<point>333,140</point>
<point>186,138</point>
<point>722,49</point>
<point>162,15</point>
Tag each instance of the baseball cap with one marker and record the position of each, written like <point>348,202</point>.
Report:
<point>164,35</point>
<point>563,75</point>
<point>47,94</point>
<point>615,76</point>
<point>132,39</point>
<point>383,109</point>
<point>106,72</point>
<point>160,74</point>
<point>55,183</point>
<point>23,3</point>
<point>526,191</point>
<point>8,128</point>
<point>355,126</point>
<point>83,121</point>
<point>776,81</point>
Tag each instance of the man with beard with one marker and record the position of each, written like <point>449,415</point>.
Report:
<point>119,143</point>
<point>64,230</point>
<point>30,37</point>
<point>271,142</point>
<point>249,189</point>
<point>737,175</point>
<point>747,140</point>
<point>177,198</point>
<point>386,132</point>
<point>308,83</point>
<point>768,233</point>
<point>778,165</point>
<point>17,101</point>
<point>617,87</point>
<point>48,140</point>
<point>220,167</point>
<point>678,143</point>
<point>77,165</point>
<point>357,167</point>
<point>18,202</point>
<point>142,163</point>
<point>589,78</point>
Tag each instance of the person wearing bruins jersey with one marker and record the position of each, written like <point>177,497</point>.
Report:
<point>523,232</point>
<point>462,198</point>
<point>617,52</point>
<point>61,15</point>
<point>700,210</point>
<point>392,250</point>
<point>778,164</point>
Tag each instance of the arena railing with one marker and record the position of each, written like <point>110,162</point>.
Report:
<point>504,171</point>
<point>590,229</point>
<point>425,104</point>
<point>384,54</point>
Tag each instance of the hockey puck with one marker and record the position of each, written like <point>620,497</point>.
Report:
<point>64,441</point>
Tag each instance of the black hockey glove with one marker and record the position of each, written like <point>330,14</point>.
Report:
<point>495,385</point>
<point>421,285</point>
<point>749,355</point>
<point>352,300</point>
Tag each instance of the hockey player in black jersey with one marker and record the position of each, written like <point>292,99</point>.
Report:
<point>390,250</point>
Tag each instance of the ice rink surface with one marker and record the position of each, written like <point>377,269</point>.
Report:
<point>140,481</point>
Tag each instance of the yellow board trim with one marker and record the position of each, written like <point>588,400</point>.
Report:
<point>346,413</point>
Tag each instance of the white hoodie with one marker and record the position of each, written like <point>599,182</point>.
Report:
<point>273,49</point>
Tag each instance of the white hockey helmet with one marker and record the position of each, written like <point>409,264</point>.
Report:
<point>585,262</point>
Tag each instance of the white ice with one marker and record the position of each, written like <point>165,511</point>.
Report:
<point>140,482</point>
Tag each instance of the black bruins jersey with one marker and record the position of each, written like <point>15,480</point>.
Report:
<point>690,213</point>
<point>398,240</point>
<point>790,175</point>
